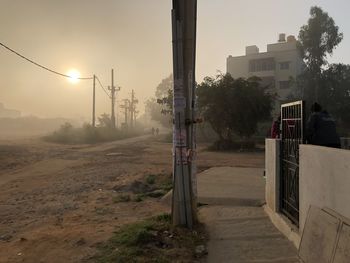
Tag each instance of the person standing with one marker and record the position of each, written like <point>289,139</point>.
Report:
<point>275,129</point>
<point>321,128</point>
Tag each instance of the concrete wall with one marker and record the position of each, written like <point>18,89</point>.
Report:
<point>324,180</point>
<point>272,169</point>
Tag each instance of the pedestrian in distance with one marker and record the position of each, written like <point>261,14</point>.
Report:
<point>321,128</point>
<point>153,130</point>
<point>275,129</point>
<point>157,131</point>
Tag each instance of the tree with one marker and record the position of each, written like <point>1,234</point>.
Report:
<point>317,39</point>
<point>335,92</point>
<point>160,106</point>
<point>163,88</point>
<point>233,106</point>
<point>105,121</point>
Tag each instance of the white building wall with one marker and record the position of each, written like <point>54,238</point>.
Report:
<point>280,52</point>
<point>238,67</point>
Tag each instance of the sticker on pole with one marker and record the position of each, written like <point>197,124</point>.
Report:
<point>180,138</point>
<point>181,156</point>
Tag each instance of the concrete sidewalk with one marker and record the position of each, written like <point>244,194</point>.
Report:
<point>239,230</point>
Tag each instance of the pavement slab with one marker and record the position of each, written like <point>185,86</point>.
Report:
<point>239,229</point>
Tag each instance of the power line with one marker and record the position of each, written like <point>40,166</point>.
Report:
<point>39,65</point>
<point>99,82</point>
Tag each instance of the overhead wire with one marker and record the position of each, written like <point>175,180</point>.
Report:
<point>41,66</point>
<point>99,82</point>
<point>53,71</point>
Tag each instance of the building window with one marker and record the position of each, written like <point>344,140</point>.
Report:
<point>284,65</point>
<point>265,64</point>
<point>284,84</point>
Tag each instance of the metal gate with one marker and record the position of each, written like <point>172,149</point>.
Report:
<point>292,135</point>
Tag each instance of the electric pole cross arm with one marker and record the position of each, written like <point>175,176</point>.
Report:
<point>184,205</point>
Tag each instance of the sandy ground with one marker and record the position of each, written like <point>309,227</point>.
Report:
<point>56,201</point>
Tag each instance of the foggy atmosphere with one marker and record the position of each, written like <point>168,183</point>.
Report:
<point>174,131</point>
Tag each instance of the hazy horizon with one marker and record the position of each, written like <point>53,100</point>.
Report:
<point>134,38</point>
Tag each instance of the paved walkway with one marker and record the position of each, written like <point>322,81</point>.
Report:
<point>239,229</point>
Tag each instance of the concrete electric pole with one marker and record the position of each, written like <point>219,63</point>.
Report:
<point>113,90</point>
<point>133,112</point>
<point>94,102</point>
<point>126,109</point>
<point>184,207</point>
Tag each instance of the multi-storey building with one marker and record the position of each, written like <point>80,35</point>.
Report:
<point>276,67</point>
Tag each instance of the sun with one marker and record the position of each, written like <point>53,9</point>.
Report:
<point>74,76</point>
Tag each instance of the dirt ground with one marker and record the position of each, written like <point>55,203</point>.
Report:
<point>57,201</point>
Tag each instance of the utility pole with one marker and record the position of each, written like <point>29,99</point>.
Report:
<point>133,103</point>
<point>135,116</point>
<point>113,90</point>
<point>184,205</point>
<point>132,109</point>
<point>93,102</point>
<point>125,107</point>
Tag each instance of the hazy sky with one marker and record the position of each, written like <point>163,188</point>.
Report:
<point>134,38</point>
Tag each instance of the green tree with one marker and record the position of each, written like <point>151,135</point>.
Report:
<point>335,92</point>
<point>105,121</point>
<point>233,106</point>
<point>163,88</point>
<point>317,40</point>
<point>160,106</point>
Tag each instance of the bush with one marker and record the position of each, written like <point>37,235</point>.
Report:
<point>151,179</point>
<point>87,134</point>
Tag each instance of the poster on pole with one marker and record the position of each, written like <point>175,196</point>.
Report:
<point>181,156</point>
<point>180,138</point>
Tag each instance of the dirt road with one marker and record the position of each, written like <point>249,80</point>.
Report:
<point>57,202</point>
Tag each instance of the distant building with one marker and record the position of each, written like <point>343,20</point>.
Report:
<point>276,67</point>
<point>7,113</point>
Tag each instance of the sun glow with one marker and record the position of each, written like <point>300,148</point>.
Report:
<point>74,76</point>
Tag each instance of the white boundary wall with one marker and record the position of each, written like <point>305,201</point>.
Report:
<point>272,171</point>
<point>324,180</point>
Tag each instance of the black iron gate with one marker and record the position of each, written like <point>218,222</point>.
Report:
<point>292,135</point>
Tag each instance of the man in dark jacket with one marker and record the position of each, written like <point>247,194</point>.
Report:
<point>321,128</point>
